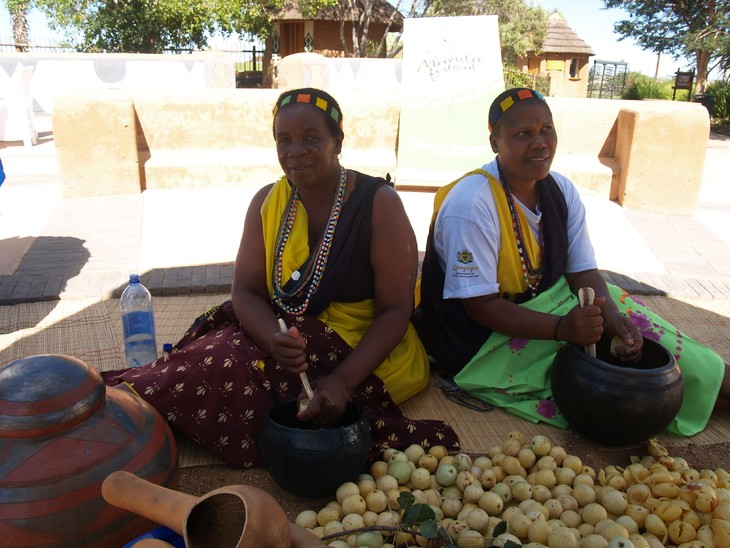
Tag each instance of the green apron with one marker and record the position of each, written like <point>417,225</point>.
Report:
<point>514,373</point>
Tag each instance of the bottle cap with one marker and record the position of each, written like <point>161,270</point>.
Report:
<point>167,347</point>
<point>134,278</point>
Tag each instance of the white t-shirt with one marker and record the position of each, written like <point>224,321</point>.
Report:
<point>467,228</point>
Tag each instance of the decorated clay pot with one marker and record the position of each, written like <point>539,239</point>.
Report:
<point>311,461</point>
<point>62,431</point>
<point>615,402</point>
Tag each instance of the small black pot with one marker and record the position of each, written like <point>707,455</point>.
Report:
<point>310,461</point>
<point>614,402</point>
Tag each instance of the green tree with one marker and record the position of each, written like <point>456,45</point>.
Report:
<point>153,26</point>
<point>522,26</point>
<point>698,28</point>
<point>359,13</point>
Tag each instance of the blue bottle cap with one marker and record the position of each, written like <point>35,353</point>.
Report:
<point>167,347</point>
<point>134,278</point>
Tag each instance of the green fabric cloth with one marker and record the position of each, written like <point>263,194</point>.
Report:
<point>514,373</point>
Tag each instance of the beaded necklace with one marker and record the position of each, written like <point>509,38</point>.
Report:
<point>305,285</point>
<point>532,275</point>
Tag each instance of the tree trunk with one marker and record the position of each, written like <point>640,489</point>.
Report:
<point>342,29</point>
<point>383,45</point>
<point>356,51</point>
<point>365,26</point>
<point>267,79</point>
<point>20,26</point>
<point>702,57</point>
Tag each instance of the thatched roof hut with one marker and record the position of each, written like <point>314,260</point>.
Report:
<point>320,32</point>
<point>381,14</point>
<point>560,38</point>
<point>563,59</point>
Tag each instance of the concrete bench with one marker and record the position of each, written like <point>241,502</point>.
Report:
<point>116,142</point>
<point>655,150</point>
<point>641,154</point>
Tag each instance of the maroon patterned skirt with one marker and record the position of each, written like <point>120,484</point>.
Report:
<point>217,387</point>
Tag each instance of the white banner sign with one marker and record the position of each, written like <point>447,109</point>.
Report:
<point>452,69</point>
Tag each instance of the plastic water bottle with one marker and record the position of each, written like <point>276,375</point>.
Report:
<point>166,351</point>
<point>138,322</point>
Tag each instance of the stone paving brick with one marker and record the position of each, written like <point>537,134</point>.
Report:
<point>716,288</point>
<point>169,282</point>
<point>197,280</point>
<point>687,287</point>
<point>184,279</point>
<point>212,278</point>
<point>53,286</point>
<point>7,286</point>
<point>37,284</point>
<point>21,290</point>
<point>698,287</point>
<point>152,280</point>
<point>657,283</point>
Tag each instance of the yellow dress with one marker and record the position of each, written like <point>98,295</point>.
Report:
<point>406,370</point>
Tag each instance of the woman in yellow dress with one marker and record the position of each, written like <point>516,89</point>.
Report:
<point>331,252</point>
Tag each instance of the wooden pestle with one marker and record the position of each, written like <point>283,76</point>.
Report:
<point>586,295</point>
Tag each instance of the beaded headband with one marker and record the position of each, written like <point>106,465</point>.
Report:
<point>311,97</point>
<point>507,99</point>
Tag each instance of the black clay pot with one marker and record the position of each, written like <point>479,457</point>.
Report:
<point>614,402</point>
<point>311,461</point>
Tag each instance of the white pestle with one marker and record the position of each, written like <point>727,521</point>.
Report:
<point>586,295</point>
<point>302,375</point>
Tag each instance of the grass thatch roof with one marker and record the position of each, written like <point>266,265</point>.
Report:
<point>560,38</point>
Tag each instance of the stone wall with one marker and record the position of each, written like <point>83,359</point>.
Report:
<point>55,75</point>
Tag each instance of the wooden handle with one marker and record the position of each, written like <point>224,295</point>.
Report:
<point>154,502</point>
<point>302,375</point>
<point>586,295</point>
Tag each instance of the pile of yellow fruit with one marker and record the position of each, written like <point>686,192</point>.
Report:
<point>546,498</point>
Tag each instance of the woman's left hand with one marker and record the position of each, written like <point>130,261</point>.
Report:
<point>619,325</point>
<point>328,404</point>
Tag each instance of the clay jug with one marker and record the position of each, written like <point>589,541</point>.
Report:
<point>614,402</point>
<point>234,516</point>
<point>62,431</point>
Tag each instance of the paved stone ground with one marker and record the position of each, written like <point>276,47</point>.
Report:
<point>184,242</point>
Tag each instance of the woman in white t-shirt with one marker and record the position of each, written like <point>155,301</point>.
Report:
<point>507,252</point>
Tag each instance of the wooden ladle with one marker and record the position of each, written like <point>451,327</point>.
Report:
<point>234,516</point>
<point>586,295</point>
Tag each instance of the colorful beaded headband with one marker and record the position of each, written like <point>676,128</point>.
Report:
<point>311,98</point>
<point>507,99</point>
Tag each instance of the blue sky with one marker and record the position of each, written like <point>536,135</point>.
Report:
<point>586,17</point>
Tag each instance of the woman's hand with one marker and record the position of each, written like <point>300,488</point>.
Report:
<point>583,325</point>
<point>619,325</point>
<point>289,350</point>
<point>328,404</point>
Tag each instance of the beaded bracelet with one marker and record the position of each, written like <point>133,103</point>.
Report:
<point>557,325</point>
